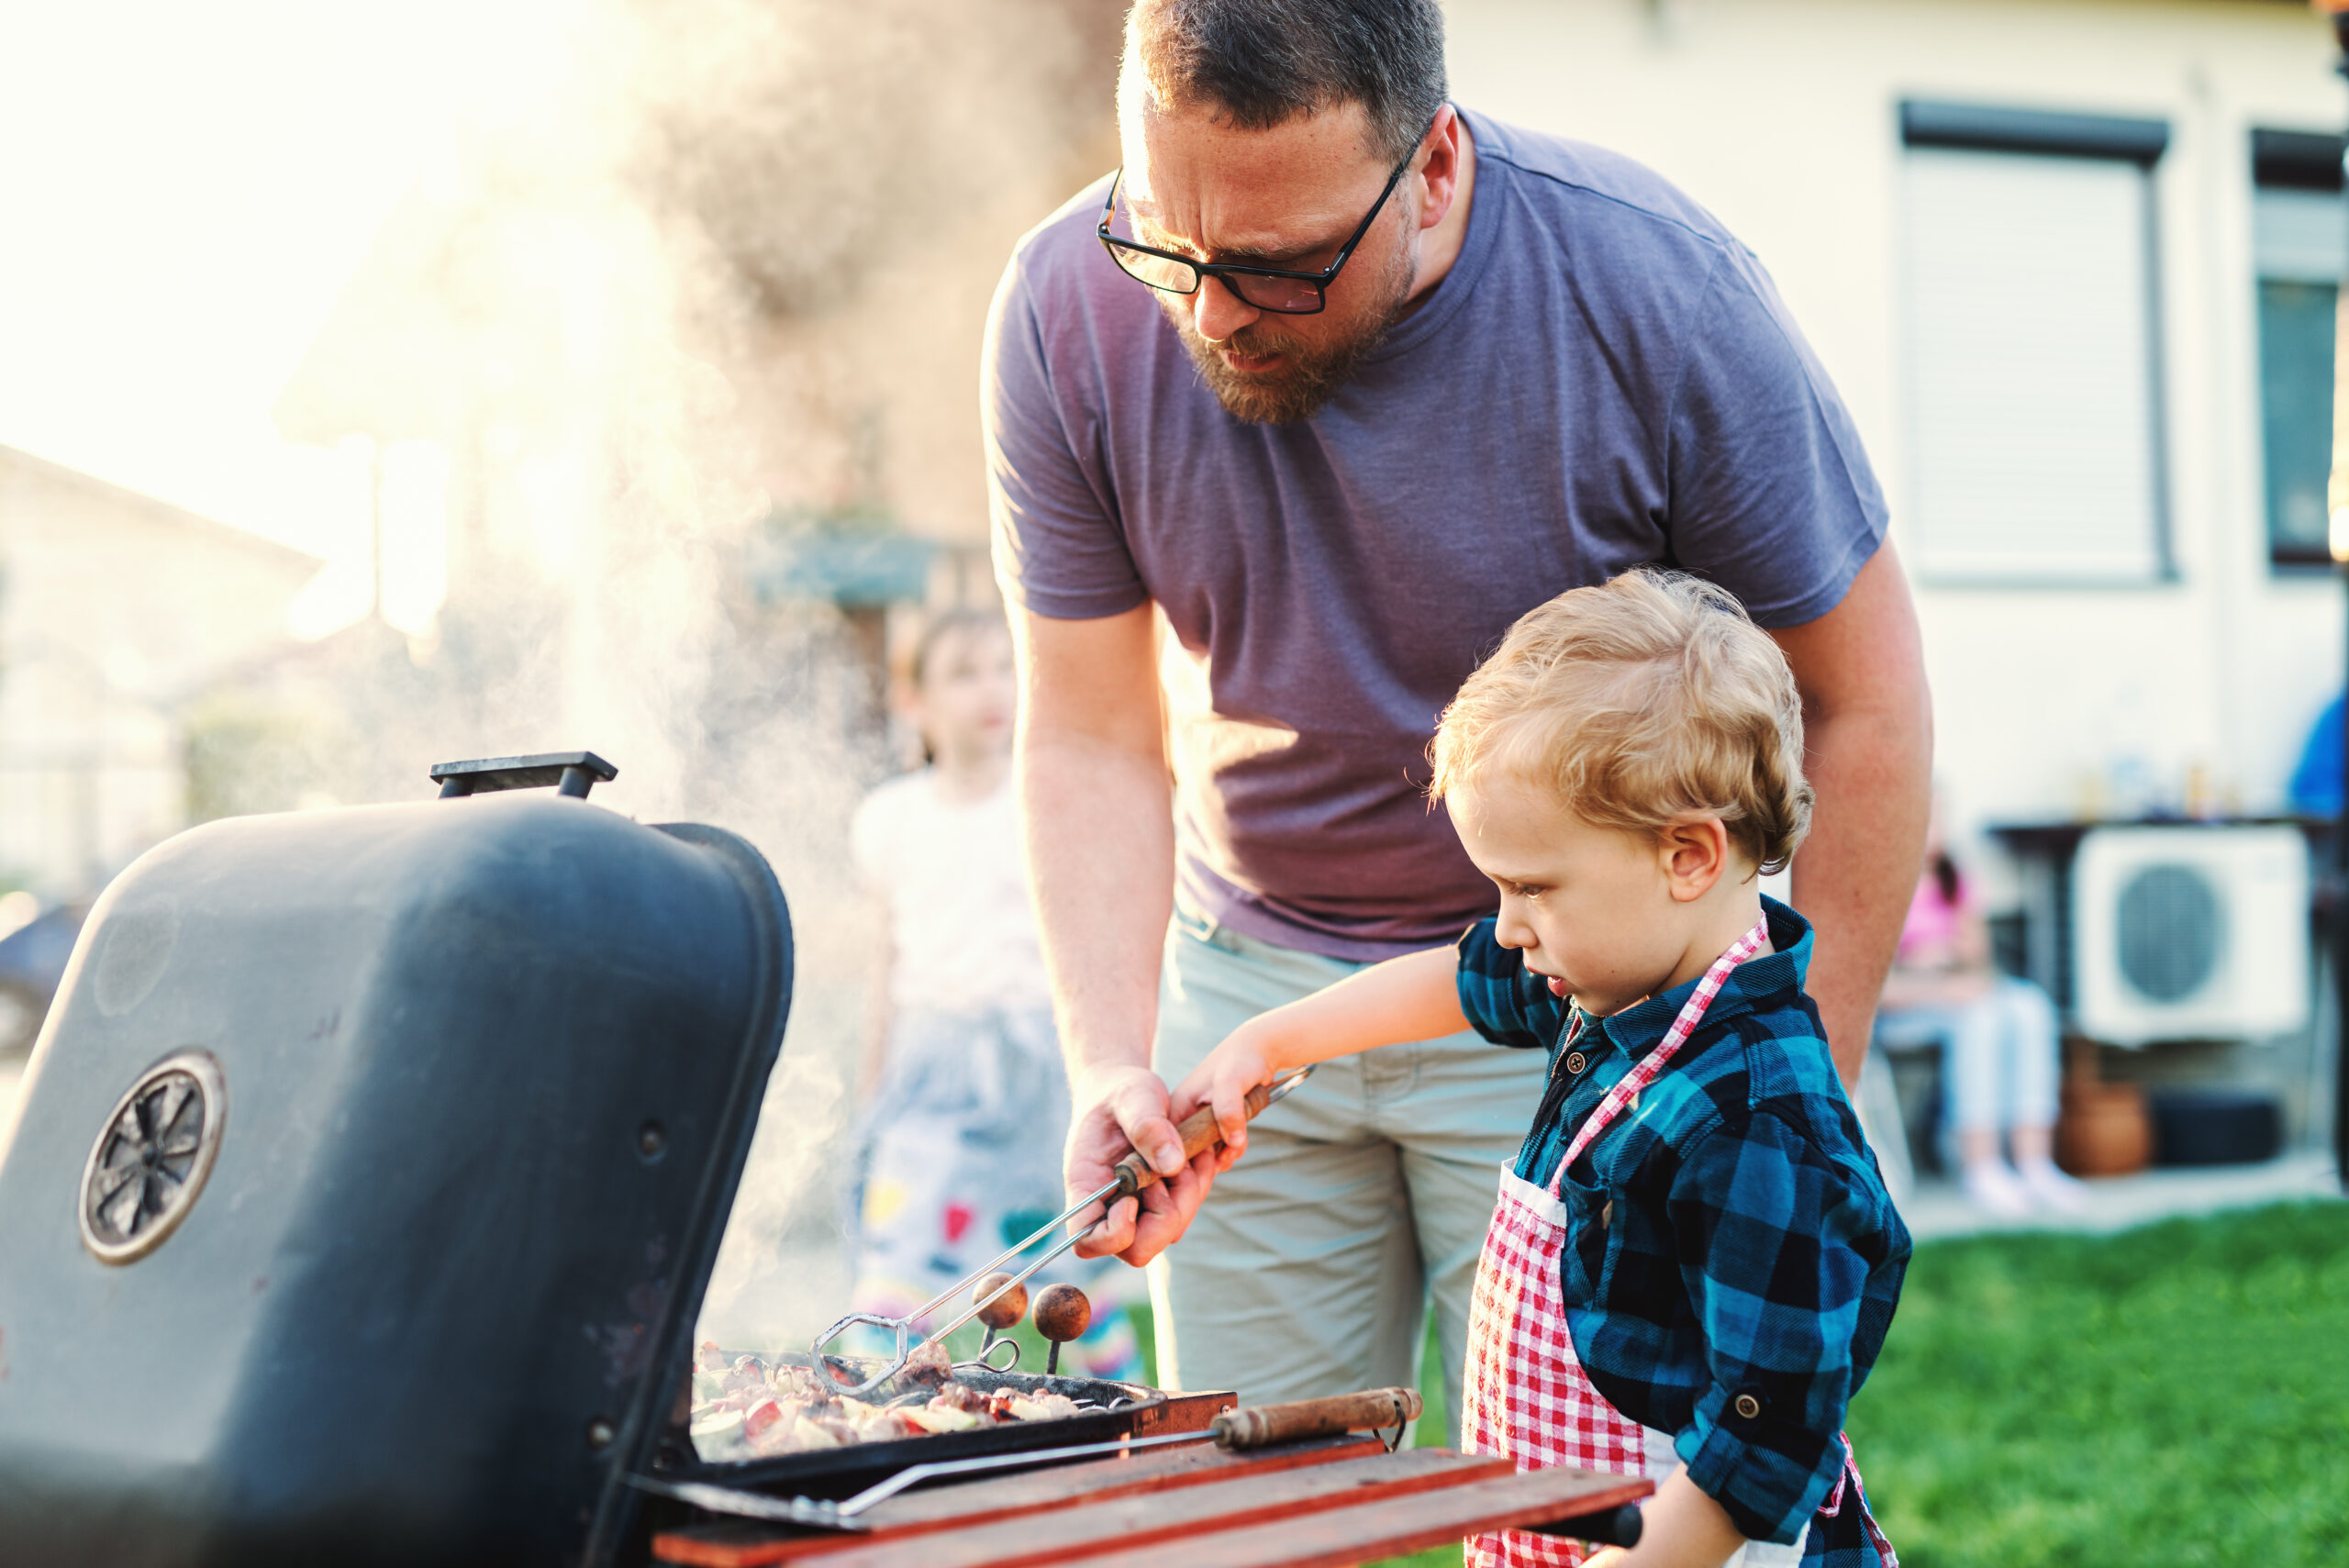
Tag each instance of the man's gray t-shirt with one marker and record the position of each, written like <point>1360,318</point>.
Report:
<point>1604,378</point>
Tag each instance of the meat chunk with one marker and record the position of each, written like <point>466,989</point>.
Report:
<point>936,1417</point>
<point>1040,1406</point>
<point>960,1396</point>
<point>928,1366</point>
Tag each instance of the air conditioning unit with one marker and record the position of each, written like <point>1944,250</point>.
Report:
<point>2190,933</point>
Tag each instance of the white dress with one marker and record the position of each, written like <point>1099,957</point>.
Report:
<point>961,1151</point>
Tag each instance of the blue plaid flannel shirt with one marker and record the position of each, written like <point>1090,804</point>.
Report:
<point>1750,1249</point>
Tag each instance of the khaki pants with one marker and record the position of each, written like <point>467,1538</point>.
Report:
<point>1310,1268</point>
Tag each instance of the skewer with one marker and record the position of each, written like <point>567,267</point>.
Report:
<point>1063,1313</point>
<point>1130,1176</point>
<point>1004,1308</point>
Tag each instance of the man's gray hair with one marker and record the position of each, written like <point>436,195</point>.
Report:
<point>1260,63</point>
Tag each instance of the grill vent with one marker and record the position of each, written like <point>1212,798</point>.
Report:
<point>150,1160</point>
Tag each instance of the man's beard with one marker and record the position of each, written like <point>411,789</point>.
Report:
<point>1306,377</point>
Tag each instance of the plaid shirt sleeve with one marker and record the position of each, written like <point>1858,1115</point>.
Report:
<point>1501,1000</point>
<point>1779,1245</point>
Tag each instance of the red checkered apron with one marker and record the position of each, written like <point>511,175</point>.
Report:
<point>1526,1395</point>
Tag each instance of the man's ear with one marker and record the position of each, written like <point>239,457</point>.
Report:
<point>1441,170</point>
<point>1695,854</point>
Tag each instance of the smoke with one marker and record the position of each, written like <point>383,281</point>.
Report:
<point>810,142</point>
<point>726,270</point>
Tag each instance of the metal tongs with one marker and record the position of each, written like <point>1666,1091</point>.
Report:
<point>1133,1173</point>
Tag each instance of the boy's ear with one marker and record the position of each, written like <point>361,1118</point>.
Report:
<point>1695,853</point>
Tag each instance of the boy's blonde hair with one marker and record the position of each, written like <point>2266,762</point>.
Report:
<point>1646,701</point>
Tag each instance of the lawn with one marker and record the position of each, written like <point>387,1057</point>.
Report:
<point>2175,1396</point>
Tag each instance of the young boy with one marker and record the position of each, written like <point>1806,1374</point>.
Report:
<point>1694,1261</point>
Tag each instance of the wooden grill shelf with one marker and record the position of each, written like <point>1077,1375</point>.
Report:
<point>1337,1501</point>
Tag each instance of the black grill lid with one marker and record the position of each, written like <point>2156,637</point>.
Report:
<point>366,1180</point>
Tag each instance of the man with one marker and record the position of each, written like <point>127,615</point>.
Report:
<point>1355,380</point>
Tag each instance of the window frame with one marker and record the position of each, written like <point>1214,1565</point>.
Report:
<point>2284,159</point>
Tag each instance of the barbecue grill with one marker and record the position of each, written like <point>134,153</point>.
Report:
<point>365,1183</point>
<point>367,1177</point>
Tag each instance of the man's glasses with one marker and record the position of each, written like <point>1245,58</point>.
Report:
<point>1278,289</point>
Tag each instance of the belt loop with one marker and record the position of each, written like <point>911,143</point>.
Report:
<point>1194,924</point>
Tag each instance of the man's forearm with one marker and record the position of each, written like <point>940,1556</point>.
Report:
<point>1100,838</point>
<point>1095,813</point>
<point>1868,729</point>
<point>1857,872</point>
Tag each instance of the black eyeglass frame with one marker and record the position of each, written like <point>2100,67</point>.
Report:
<point>1203,270</point>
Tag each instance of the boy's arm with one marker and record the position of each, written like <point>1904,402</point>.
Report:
<point>1792,1259</point>
<point>1416,996</point>
<point>1679,1528</point>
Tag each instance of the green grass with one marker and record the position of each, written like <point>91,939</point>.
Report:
<point>2175,1396</point>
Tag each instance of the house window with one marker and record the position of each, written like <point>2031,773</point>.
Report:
<point>2033,350</point>
<point>2300,249</point>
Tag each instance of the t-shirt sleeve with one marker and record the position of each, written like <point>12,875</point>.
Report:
<point>1501,999</point>
<point>1771,493</point>
<point>1058,548</point>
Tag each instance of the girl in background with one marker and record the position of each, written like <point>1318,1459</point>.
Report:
<point>1999,1038</point>
<point>967,1104</point>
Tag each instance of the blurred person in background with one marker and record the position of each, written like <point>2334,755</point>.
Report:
<point>966,1104</point>
<point>2316,778</point>
<point>1999,1042</point>
<point>1287,421</point>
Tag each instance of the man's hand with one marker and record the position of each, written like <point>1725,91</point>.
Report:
<point>1120,1109</point>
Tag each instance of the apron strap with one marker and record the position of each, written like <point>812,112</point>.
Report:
<point>1684,1024</point>
<point>1850,1476</point>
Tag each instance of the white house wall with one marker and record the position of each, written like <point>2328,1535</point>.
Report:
<point>114,609</point>
<point>1781,117</point>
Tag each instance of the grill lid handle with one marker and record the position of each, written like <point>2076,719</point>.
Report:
<point>571,772</point>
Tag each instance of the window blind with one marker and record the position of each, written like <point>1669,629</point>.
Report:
<point>2031,366</point>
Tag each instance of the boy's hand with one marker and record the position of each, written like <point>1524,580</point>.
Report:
<point>1680,1527</point>
<point>1119,1110</point>
<point>1223,1081</point>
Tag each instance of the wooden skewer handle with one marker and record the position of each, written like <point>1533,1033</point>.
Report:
<point>1263,1425</point>
<point>1199,1133</point>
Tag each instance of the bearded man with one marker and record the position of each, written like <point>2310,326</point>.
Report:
<point>1287,422</point>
